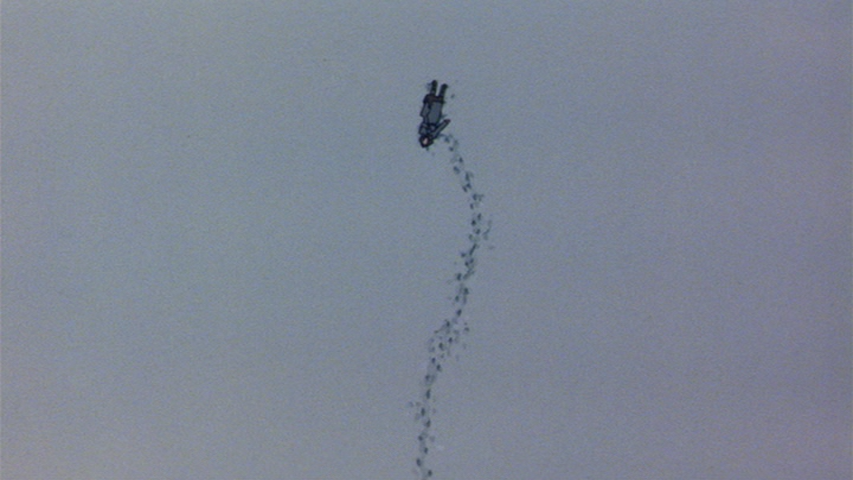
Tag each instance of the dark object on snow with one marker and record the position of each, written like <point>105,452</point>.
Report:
<point>432,123</point>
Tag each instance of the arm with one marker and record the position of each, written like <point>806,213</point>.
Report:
<point>440,127</point>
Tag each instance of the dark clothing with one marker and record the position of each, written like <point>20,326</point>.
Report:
<point>432,123</point>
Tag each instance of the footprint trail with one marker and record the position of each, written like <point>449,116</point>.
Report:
<point>448,337</point>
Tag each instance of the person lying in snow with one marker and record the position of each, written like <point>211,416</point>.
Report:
<point>432,123</point>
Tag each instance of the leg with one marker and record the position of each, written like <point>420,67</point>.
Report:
<point>441,92</point>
